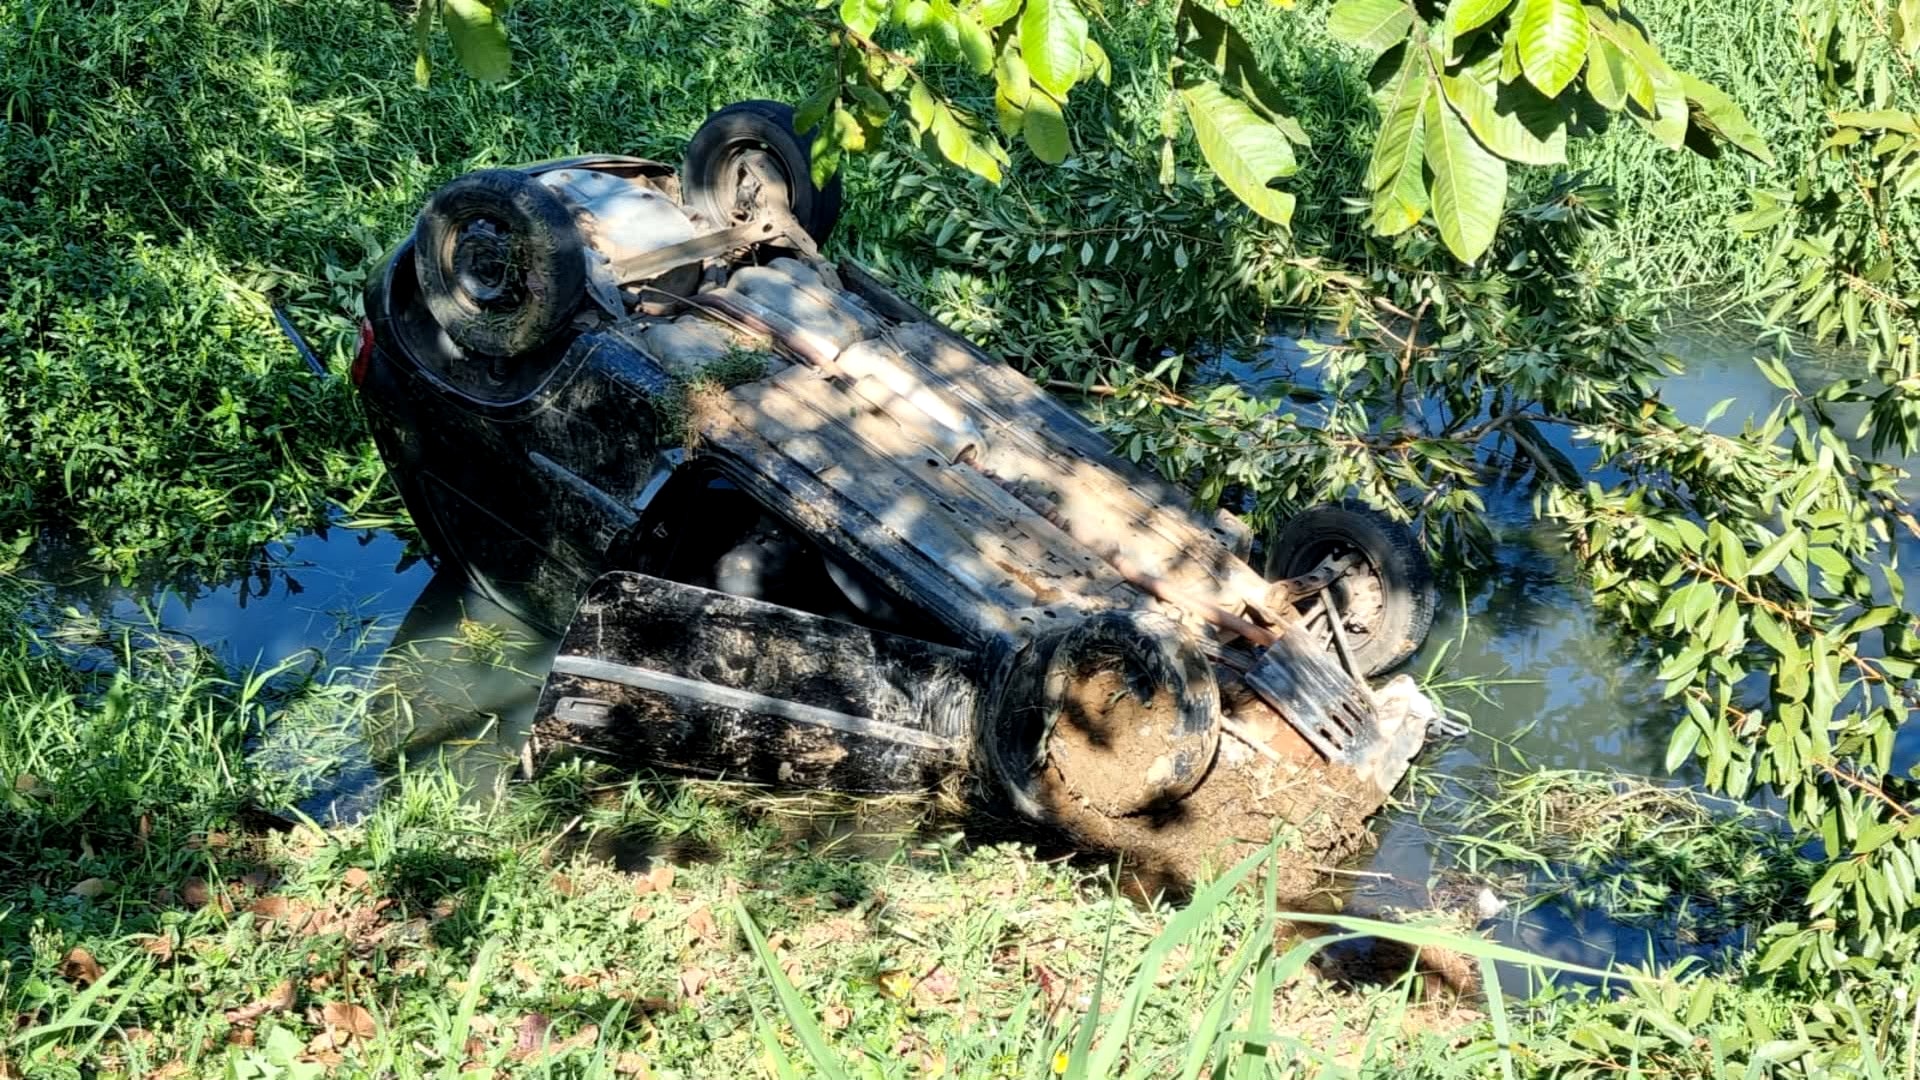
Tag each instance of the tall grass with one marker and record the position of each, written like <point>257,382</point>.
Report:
<point>169,168</point>
<point>1671,232</point>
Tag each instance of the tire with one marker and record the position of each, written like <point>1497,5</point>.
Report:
<point>1395,562</point>
<point>500,262</point>
<point>710,173</point>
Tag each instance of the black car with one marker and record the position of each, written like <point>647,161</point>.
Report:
<point>813,537</point>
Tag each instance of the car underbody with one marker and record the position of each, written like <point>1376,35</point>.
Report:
<point>798,533</point>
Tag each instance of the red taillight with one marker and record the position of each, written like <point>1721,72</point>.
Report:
<point>363,354</point>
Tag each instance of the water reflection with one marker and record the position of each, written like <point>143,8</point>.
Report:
<point>457,682</point>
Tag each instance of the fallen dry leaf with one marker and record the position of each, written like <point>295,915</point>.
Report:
<point>240,1036</point>
<point>323,1043</point>
<point>524,972</point>
<point>693,981</point>
<point>629,1063</point>
<point>355,878</point>
<point>26,783</point>
<point>579,982</point>
<point>81,968</point>
<point>349,1018</point>
<point>579,1040</point>
<point>328,1058</point>
<point>89,888</point>
<point>194,892</point>
<point>640,913</point>
<point>159,946</point>
<point>700,923</point>
<point>661,878</point>
<point>172,1070</point>
<point>279,999</point>
<point>937,985</point>
<point>531,1036</point>
<point>1052,985</point>
<point>836,1017</point>
<point>562,884</point>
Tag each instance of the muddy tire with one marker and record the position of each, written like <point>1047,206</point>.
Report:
<point>1146,765</point>
<point>500,263</point>
<point>748,142</point>
<point>1391,595</point>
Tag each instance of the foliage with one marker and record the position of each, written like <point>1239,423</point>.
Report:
<point>1697,874</point>
<point>1466,87</point>
<point>1843,258</point>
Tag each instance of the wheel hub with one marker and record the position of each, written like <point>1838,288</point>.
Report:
<point>483,263</point>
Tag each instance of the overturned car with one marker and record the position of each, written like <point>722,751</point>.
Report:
<point>798,533</point>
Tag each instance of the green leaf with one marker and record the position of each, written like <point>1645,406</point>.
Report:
<point>1046,129</point>
<point>1880,120</point>
<point>1610,72</point>
<point>1096,64</point>
<point>1012,116</point>
<point>1397,172</point>
<point>1373,25</point>
<point>1245,151</point>
<point>847,132</point>
<point>1469,184</point>
<point>862,16</point>
<point>959,145</point>
<point>1053,37</point>
<point>1212,38</point>
<point>1666,114</point>
<point>1466,15</point>
<point>1907,26</point>
<point>1686,735</point>
<point>991,13</point>
<point>1520,124</point>
<point>1553,42</point>
<point>479,39</point>
<point>975,45</point>
<point>814,109</point>
<point>1669,122</point>
<point>1718,113</point>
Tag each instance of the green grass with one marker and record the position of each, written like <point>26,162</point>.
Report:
<point>170,168</point>
<point>1672,231</point>
<point>162,908</point>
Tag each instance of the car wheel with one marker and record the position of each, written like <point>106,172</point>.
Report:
<point>500,262</point>
<point>748,153</point>
<point>1386,599</point>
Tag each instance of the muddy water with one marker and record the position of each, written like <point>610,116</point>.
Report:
<point>1562,694</point>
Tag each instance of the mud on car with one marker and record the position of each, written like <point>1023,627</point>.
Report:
<point>796,532</point>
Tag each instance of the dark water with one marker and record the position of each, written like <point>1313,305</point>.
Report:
<point>1562,693</point>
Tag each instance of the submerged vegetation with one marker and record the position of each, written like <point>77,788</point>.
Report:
<point>172,169</point>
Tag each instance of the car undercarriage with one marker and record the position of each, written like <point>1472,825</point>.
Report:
<point>798,533</point>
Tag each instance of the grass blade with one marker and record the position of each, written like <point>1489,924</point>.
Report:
<point>791,1004</point>
<point>1497,1013</point>
<point>1200,909</point>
